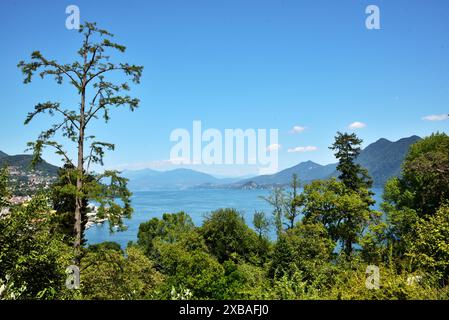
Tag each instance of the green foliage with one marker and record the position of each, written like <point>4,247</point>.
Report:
<point>293,201</point>
<point>179,252</point>
<point>4,188</point>
<point>347,148</point>
<point>356,195</point>
<point>311,247</point>
<point>33,259</point>
<point>375,243</point>
<point>306,248</point>
<point>429,250</point>
<point>89,73</point>
<point>245,281</point>
<point>287,205</point>
<point>97,96</point>
<point>224,258</point>
<point>105,246</point>
<point>400,217</point>
<point>195,270</point>
<point>171,228</point>
<point>349,284</point>
<point>343,212</point>
<point>106,273</point>
<point>426,173</point>
<point>282,258</point>
<point>288,287</point>
<point>106,189</point>
<point>421,190</point>
<point>227,236</point>
<point>63,197</point>
<point>261,223</point>
<point>277,199</point>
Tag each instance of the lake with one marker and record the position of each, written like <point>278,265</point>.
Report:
<point>196,202</point>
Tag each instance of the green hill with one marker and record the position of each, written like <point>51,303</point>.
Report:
<point>23,163</point>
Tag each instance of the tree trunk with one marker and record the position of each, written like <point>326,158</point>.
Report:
<point>79,186</point>
<point>348,248</point>
<point>78,198</point>
<point>80,168</point>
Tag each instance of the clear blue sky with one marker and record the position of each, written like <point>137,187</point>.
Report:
<point>242,64</point>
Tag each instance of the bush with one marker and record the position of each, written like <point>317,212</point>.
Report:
<point>108,274</point>
<point>227,236</point>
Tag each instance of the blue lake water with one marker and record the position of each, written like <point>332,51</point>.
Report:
<point>196,202</point>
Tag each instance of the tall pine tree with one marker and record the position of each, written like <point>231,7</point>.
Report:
<point>97,96</point>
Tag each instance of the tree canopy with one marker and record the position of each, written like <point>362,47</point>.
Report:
<point>90,76</point>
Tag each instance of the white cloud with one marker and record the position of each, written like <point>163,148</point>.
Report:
<point>298,129</point>
<point>436,117</point>
<point>357,125</point>
<point>273,147</point>
<point>302,149</point>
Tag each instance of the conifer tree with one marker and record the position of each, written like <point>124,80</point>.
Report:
<point>97,95</point>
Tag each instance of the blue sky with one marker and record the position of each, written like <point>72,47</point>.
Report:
<point>241,64</point>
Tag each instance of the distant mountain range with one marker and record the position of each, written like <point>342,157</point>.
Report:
<point>147,179</point>
<point>382,158</point>
<point>23,163</point>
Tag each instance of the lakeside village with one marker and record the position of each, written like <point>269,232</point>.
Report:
<point>25,183</point>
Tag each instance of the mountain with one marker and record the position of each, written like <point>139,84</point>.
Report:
<point>143,180</point>
<point>139,174</point>
<point>23,181</point>
<point>306,171</point>
<point>22,162</point>
<point>382,159</point>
